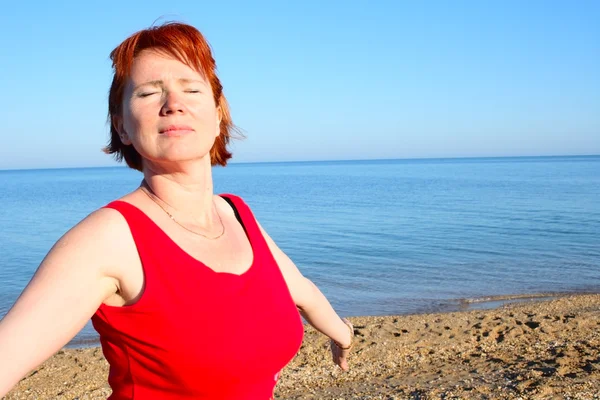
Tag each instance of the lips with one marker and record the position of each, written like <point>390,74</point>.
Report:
<point>174,129</point>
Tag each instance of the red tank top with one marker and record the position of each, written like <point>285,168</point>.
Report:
<point>196,333</point>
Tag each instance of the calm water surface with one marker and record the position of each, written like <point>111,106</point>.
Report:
<point>378,237</point>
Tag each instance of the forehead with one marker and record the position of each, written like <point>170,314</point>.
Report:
<point>152,64</point>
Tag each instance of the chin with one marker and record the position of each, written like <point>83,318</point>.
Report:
<point>186,152</point>
<point>187,156</point>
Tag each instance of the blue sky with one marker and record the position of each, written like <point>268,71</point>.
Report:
<point>326,80</point>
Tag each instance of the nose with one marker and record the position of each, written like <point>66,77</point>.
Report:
<point>172,104</point>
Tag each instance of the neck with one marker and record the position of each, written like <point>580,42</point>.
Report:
<point>189,190</point>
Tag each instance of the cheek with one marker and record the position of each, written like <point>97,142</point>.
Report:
<point>200,109</point>
<point>205,116</point>
<point>135,119</point>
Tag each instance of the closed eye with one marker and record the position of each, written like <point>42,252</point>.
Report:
<point>192,91</point>
<point>146,94</point>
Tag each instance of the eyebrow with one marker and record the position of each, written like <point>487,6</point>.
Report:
<point>160,82</point>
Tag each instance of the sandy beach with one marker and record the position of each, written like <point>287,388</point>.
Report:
<point>531,350</point>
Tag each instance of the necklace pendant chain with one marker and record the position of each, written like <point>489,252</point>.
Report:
<point>146,189</point>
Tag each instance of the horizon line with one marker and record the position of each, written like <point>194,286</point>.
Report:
<point>123,165</point>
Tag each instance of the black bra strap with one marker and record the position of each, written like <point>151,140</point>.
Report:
<point>235,211</point>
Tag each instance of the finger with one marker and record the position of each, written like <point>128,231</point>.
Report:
<point>344,364</point>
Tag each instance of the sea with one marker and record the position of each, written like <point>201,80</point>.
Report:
<point>378,237</point>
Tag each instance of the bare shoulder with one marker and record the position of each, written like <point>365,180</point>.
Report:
<point>103,226</point>
<point>102,239</point>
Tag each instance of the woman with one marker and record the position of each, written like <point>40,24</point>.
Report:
<point>190,296</point>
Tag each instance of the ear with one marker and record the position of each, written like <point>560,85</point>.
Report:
<point>219,118</point>
<point>117,122</point>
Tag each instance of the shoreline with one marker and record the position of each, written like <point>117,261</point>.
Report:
<point>446,306</point>
<point>530,350</point>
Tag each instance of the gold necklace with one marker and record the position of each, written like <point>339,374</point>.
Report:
<point>144,187</point>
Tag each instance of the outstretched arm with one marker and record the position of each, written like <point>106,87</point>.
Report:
<point>68,287</point>
<point>313,305</point>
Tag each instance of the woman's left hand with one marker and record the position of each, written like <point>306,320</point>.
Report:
<point>340,353</point>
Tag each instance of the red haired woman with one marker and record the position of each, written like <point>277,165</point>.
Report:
<point>191,298</point>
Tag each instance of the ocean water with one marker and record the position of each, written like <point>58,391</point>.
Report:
<point>378,237</point>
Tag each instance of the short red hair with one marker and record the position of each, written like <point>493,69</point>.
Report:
<point>186,44</point>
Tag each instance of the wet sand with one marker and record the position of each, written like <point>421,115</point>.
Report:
<point>525,350</point>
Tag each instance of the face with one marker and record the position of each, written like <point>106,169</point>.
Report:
<point>169,114</point>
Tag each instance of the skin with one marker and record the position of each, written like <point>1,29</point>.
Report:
<point>97,261</point>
